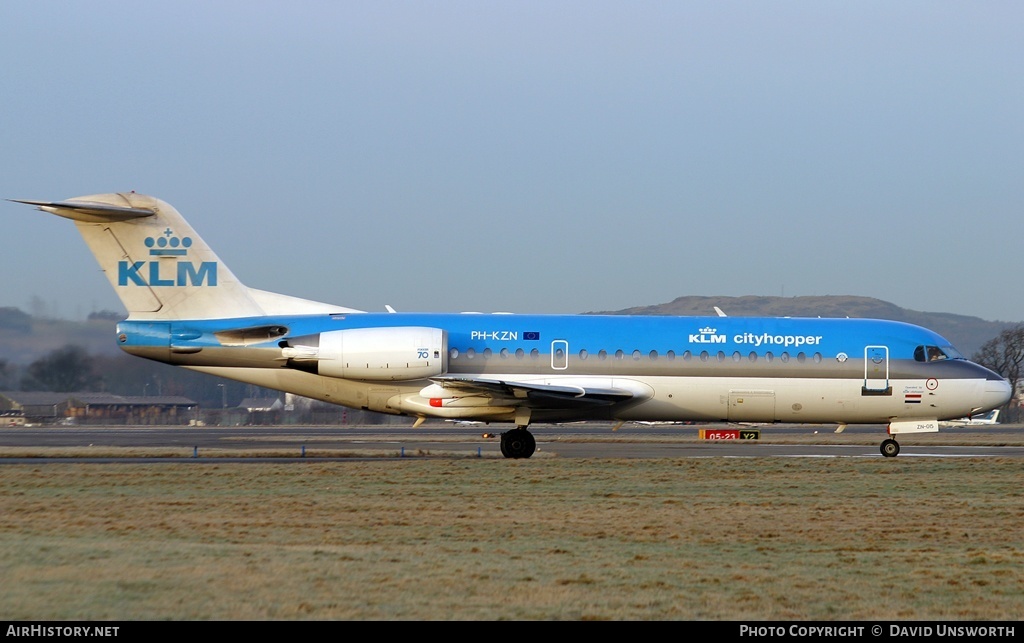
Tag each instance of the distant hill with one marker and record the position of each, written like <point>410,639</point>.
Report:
<point>23,339</point>
<point>966,333</point>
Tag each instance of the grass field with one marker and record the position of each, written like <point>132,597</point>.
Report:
<point>494,539</point>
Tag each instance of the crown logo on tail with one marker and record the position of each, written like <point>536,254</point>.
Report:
<point>168,245</point>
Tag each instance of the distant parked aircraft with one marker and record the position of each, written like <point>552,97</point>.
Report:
<point>980,419</point>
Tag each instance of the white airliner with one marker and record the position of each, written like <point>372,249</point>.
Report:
<point>187,308</point>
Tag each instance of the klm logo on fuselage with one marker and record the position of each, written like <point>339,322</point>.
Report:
<point>707,336</point>
<point>156,273</point>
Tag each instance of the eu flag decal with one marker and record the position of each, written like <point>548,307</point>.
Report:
<point>530,335</point>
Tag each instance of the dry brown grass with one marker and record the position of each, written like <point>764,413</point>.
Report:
<point>551,538</point>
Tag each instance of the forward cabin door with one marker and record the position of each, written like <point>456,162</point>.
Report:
<point>876,370</point>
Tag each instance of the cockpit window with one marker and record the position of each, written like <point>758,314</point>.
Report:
<point>952,353</point>
<point>935,353</point>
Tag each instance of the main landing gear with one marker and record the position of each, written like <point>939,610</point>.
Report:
<point>518,443</point>
<point>890,448</point>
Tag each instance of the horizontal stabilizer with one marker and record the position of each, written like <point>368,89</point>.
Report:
<point>89,212</point>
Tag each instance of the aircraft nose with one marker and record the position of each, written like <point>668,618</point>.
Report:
<point>997,393</point>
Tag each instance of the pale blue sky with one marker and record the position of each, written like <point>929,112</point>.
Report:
<point>529,156</point>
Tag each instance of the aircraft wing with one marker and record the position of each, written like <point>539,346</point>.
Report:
<point>537,396</point>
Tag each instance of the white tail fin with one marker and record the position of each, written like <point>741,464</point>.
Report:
<point>160,267</point>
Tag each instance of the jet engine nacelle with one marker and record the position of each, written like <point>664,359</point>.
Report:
<point>380,354</point>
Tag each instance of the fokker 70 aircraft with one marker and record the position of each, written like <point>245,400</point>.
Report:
<point>185,307</point>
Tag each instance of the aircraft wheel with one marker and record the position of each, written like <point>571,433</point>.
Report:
<point>890,448</point>
<point>518,443</point>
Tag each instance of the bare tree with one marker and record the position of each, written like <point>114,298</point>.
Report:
<point>1004,354</point>
<point>6,376</point>
<point>63,370</point>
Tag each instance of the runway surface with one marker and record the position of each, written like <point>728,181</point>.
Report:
<point>259,444</point>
